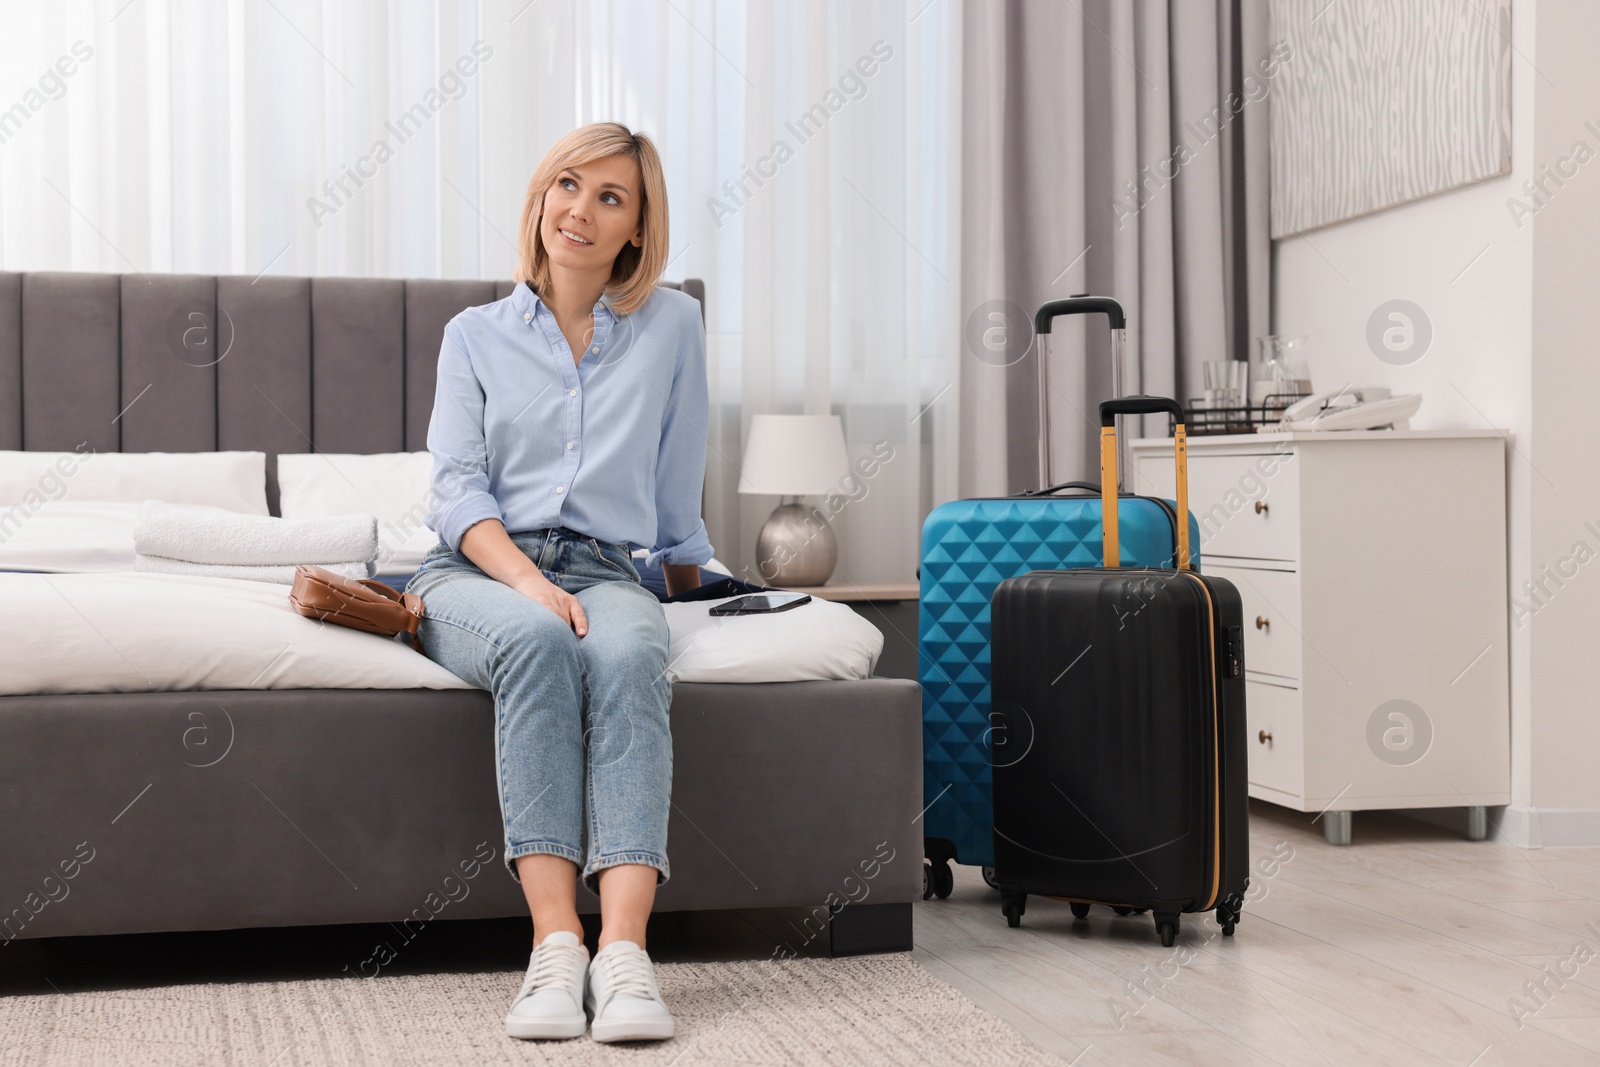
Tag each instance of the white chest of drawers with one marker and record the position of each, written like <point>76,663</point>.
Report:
<point>1372,566</point>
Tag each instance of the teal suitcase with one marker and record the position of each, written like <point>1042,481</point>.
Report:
<point>968,548</point>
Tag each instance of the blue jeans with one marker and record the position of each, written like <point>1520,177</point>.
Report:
<point>581,724</point>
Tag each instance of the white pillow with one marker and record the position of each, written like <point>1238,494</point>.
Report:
<point>236,481</point>
<point>818,639</point>
<point>394,486</point>
<point>71,535</point>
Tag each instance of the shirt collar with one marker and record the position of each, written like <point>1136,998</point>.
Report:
<point>528,302</point>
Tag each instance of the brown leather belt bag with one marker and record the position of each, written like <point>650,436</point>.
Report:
<point>359,603</point>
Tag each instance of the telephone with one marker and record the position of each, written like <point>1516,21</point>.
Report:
<point>1363,407</point>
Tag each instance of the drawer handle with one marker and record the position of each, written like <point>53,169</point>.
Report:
<point>1265,737</point>
<point>1263,623</point>
<point>1261,507</point>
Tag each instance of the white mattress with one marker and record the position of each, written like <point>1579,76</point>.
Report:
<point>127,632</point>
<point>124,632</point>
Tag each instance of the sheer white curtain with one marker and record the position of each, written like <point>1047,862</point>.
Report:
<point>810,149</point>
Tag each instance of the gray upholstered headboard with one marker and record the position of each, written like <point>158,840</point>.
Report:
<point>198,363</point>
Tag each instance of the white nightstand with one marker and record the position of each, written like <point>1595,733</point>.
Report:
<point>1372,566</point>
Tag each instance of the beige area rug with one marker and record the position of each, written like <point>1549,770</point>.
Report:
<point>853,1012</point>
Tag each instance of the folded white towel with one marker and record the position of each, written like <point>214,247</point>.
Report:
<point>283,575</point>
<point>177,532</point>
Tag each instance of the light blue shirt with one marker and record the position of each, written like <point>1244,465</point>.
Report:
<point>613,447</point>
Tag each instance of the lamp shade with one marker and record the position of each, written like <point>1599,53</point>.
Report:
<point>794,455</point>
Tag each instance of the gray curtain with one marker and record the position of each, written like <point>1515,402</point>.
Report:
<point>1102,153</point>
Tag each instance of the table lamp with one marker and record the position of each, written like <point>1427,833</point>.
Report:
<point>794,456</point>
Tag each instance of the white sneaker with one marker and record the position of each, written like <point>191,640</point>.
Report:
<point>623,997</point>
<point>550,1003</point>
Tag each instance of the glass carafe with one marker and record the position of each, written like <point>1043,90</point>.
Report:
<point>1279,370</point>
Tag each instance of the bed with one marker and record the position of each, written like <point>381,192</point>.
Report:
<point>144,807</point>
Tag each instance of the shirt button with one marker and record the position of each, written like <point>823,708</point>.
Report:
<point>561,489</point>
<point>569,446</point>
<point>527,316</point>
<point>595,349</point>
<point>572,392</point>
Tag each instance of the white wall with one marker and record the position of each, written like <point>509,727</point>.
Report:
<point>1463,259</point>
<point>1565,488</point>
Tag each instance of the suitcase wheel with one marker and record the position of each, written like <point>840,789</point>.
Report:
<point>1013,905</point>
<point>937,880</point>
<point>1080,910</point>
<point>988,878</point>
<point>1167,927</point>
<point>1120,910</point>
<point>1228,915</point>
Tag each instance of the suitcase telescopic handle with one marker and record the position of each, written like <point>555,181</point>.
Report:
<point>1078,304</point>
<point>1141,405</point>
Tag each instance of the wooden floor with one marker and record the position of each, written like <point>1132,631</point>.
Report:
<point>1412,946</point>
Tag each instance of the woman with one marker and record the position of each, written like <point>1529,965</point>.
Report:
<point>568,428</point>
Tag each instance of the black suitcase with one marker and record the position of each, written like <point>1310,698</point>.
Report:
<point>1119,728</point>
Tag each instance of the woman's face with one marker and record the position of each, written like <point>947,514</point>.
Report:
<point>590,212</point>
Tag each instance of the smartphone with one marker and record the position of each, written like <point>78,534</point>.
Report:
<point>761,604</point>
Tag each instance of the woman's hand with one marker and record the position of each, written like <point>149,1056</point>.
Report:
<point>487,544</point>
<point>538,587</point>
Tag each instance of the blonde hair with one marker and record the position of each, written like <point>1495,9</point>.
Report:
<point>636,270</point>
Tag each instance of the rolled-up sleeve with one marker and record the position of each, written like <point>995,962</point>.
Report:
<point>459,491</point>
<point>681,461</point>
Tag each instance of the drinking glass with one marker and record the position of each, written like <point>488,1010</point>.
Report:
<point>1279,368</point>
<point>1225,380</point>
